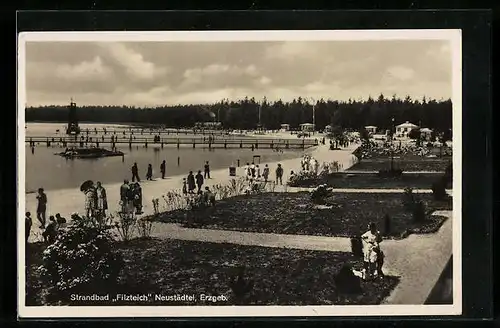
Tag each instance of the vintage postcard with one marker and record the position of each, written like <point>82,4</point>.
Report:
<point>239,173</point>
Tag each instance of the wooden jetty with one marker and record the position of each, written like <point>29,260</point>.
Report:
<point>254,143</point>
<point>150,131</point>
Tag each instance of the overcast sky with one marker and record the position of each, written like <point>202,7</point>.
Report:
<point>159,73</point>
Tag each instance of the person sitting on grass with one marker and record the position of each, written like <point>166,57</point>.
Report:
<point>249,188</point>
<point>373,257</point>
<point>209,197</point>
<point>61,222</point>
<point>50,233</point>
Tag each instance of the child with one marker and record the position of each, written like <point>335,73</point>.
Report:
<point>27,225</point>
<point>265,174</point>
<point>49,235</point>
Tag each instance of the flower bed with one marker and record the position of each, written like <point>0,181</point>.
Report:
<point>171,267</point>
<point>375,157</point>
<point>403,163</point>
<point>296,213</point>
<point>371,181</point>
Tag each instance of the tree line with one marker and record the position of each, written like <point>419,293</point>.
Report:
<point>244,114</point>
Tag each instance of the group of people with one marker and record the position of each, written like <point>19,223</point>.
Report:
<point>163,170</point>
<point>252,172</point>
<point>193,182</point>
<point>131,197</point>
<point>96,200</point>
<point>49,230</point>
<point>309,164</point>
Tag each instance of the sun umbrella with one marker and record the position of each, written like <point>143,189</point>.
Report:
<point>86,185</point>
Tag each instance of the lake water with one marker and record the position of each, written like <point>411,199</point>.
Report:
<point>49,171</point>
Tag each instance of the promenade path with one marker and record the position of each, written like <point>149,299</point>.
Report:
<point>67,201</point>
<point>418,260</point>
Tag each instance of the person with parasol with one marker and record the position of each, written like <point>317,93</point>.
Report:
<point>90,197</point>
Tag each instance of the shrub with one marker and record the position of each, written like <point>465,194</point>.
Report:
<point>387,225</point>
<point>302,178</point>
<point>125,225</point>
<point>448,174</point>
<point>80,259</point>
<point>439,189</point>
<point>408,199</point>
<point>145,226</point>
<point>357,246</point>
<point>346,282</point>
<point>419,211</point>
<point>320,194</point>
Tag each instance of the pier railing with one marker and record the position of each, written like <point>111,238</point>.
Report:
<point>210,142</point>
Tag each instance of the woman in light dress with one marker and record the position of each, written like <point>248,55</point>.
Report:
<point>102,199</point>
<point>373,257</point>
<point>90,201</point>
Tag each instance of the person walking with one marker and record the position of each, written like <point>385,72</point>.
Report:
<point>279,174</point>
<point>163,169</point>
<point>257,169</point>
<point>199,181</point>
<point>265,173</point>
<point>191,182</point>
<point>252,170</point>
<point>135,173</point>
<point>184,187</point>
<point>124,190</point>
<point>28,222</point>
<point>102,199</point>
<point>41,207</point>
<point>246,169</point>
<point>149,173</point>
<point>207,170</point>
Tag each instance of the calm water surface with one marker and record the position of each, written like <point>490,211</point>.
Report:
<point>50,171</point>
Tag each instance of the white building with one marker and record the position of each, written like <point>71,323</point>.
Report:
<point>425,134</point>
<point>208,125</point>
<point>371,129</point>
<point>307,127</point>
<point>285,127</point>
<point>402,130</point>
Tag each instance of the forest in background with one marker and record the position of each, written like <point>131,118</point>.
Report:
<point>244,114</point>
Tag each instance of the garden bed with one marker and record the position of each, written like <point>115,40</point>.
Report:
<point>294,213</point>
<point>406,164</point>
<point>172,267</point>
<point>371,181</point>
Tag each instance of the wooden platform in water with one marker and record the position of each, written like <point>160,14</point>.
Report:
<point>166,141</point>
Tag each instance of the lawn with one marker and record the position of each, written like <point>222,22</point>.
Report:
<point>373,181</point>
<point>172,267</point>
<point>405,163</point>
<point>294,213</point>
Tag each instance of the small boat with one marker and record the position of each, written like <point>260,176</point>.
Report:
<point>89,153</point>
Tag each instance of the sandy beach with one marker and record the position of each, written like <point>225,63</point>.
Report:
<point>67,201</point>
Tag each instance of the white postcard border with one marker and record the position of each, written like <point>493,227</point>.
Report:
<point>454,36</point>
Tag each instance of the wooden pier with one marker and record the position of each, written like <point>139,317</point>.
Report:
<point>204,142</point>
<point>150,131</point>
